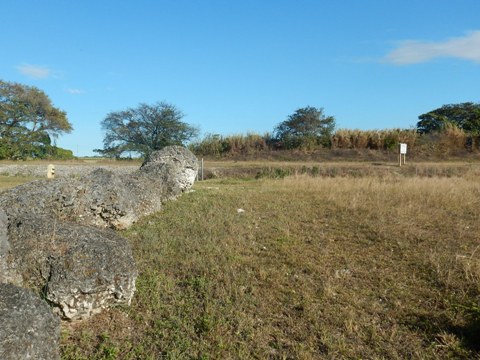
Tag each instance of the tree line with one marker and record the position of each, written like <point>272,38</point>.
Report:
<point>30,125</point>
<point>149,127</point>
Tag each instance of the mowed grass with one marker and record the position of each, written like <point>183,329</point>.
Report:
<point>377,267</point>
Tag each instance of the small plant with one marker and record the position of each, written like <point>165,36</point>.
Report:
<point>106,350</point>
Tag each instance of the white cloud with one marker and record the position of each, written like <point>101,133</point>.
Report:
<point>34,71</point>
<point>75,91</point>
<point>413,51</point>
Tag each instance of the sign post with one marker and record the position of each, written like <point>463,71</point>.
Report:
<point>402,151</point>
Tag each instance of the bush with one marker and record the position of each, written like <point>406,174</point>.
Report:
<point>62,154</point>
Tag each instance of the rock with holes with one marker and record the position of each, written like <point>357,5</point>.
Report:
<point>80,269</point>
<point>8,274</point>
<point>103,198</point>
<point>28,329</point>
<point>174,166</point>
<point>54,235</point>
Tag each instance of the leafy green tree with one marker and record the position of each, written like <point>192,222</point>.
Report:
<point>465,116</point>
<point>308,125</point>
<point>144,129</point>
<point>28,121</point>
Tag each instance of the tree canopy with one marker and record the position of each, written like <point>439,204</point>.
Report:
<point>28,121</point>
<point>465,116</point>
<point>144,129</point>
<point>308,124</point>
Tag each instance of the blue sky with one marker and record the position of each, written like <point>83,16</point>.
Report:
<point>243,66</point>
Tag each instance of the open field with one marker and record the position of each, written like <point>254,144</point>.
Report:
<point>7,182</point>
<point>278,169</point>
<point>382,263</point>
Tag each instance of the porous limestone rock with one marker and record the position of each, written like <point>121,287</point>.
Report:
<point>28,329</point>
<point>105,199</point>
<point>176,166</point>
<point>8,274</point>
<point>80,269</point>
<point>54,239</point>
<point>53,235</point>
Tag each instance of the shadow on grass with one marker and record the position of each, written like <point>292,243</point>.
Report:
<point>435,328</point>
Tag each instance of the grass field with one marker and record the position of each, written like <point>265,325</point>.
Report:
<point>379,265</point>
<point>11,181</point>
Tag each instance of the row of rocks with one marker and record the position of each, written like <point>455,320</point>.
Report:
<point>57,239</point>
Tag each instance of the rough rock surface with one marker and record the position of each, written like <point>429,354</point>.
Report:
<point>70,171</point>
<point>28,328</point>
<point>8,274</point>
<point>104,198</point>
<point>80,269</point>
<point>53,237</point>
<point>177,166</point>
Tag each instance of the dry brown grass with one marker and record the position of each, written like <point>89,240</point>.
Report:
<point>370,267</point>
<point>373,139</point>
<point>376,263</point>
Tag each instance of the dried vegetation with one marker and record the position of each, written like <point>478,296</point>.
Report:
<point>380,265</point>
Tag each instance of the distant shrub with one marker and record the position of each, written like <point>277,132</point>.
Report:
<point>62,154</point>
<point>274,173</point>
<point>449,140</point>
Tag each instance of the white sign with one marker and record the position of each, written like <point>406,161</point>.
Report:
<point>403,148</point>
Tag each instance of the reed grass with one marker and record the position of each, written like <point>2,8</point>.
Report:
<point>450,141</point>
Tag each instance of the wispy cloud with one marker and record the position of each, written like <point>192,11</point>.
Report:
<point>34,71</point>
<point>413,51</point>
<point>75,91</point>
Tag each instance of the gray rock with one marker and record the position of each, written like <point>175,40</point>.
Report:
<point>61,170</point>
<point>28,328</point>
<point>81,270</point>
<point>177,167</point>
<point>106,199</point>
<point>53,237</point>
<point>7,275</point>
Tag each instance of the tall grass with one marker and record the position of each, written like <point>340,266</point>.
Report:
<point>451,140</point>
<point>314,267</point>
<point>219,145</point>
<point>373,139</point>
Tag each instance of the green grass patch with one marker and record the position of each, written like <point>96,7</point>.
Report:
<point>7,182</point>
